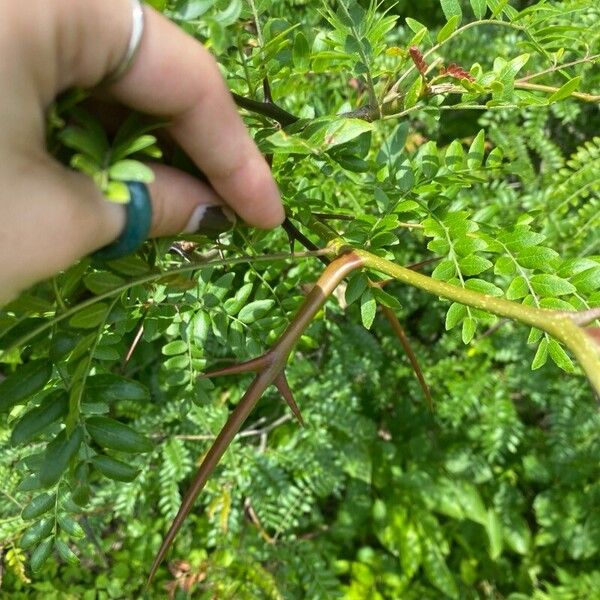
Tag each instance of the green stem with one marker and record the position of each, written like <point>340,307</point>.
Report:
<point>558,324</point>
<point>361,51</point>
<point>555,68</point>
<point>150,278</point>
<point>524,85</point>
<point>259,35</point>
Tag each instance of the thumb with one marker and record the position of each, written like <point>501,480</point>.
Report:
<point>52,217</point>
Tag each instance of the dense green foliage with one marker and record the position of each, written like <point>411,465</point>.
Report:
<point>462,163</point>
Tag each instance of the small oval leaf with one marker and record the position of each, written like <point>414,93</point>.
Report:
<point>25,382</point>
<point>114,469</point>
<point>33,423</point>
<point>59,453</point>
<point>38,531</point>
<point>40,555</point>
<point>38,506</point>
<point>109,433</point>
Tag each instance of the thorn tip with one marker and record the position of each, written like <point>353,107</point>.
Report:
<point>282,385</point>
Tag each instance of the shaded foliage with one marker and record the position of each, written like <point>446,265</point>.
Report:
<point>495,493</point>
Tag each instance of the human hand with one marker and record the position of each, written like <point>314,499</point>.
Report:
<point>50,216</point>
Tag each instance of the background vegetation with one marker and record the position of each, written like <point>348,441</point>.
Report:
<point>495,493</point>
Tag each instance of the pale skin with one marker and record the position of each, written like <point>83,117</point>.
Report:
<point>50,216</point>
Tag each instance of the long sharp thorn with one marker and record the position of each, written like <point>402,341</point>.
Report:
<point>584,317</point>
<point>328,281</point>
<point>282,385</point>
<point>211,459</point>
<point>412,357</point>
<point>254,365</point>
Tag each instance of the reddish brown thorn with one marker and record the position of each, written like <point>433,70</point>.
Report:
<point>210,461</point>
<point>282,385</point>
<point>269,369</point>
<point>250,366</point>
<point>412,357</point>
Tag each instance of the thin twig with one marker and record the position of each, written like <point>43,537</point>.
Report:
<point>491,330</point>
<point>559,67</point>
<point>245,433</point>
<point>551,89</point>
<point>152,277</point>
<point>373,101</point>
<point>251,514</point>
<point>267,109</point>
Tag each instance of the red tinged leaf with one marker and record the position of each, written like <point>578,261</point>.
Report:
<point>456,72</point>
<point>418,59</point>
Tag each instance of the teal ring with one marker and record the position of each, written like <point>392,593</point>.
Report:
<point>137,224</point>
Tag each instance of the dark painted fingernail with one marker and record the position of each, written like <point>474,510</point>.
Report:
<point>211,220</point>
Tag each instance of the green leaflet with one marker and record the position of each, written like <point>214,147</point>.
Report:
<point>38,506</point>
<point>65,552</point>
<point>40,555</point>
<point>58,454</point>
<point>109,433</point>
<point>70,526</point>
<point>25,382</point>
<point>451,8</point>
<point>110,388</point>
<point>255,310</point>
<point>37,532</point>
<point>357,284</point>
<point>479,8</point>
<point>89,317</point>
<point>566,90</point>
<point>368,308</point>
<point>448,29</point>
<point>113,468</point>
<point>33,423</point>
<point>131,170</point>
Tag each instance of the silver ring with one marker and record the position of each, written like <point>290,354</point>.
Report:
<point>135,39</point>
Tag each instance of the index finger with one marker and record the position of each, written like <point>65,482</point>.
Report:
<point>174,76</point>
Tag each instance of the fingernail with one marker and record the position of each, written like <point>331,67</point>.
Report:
<point>210,220</point>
